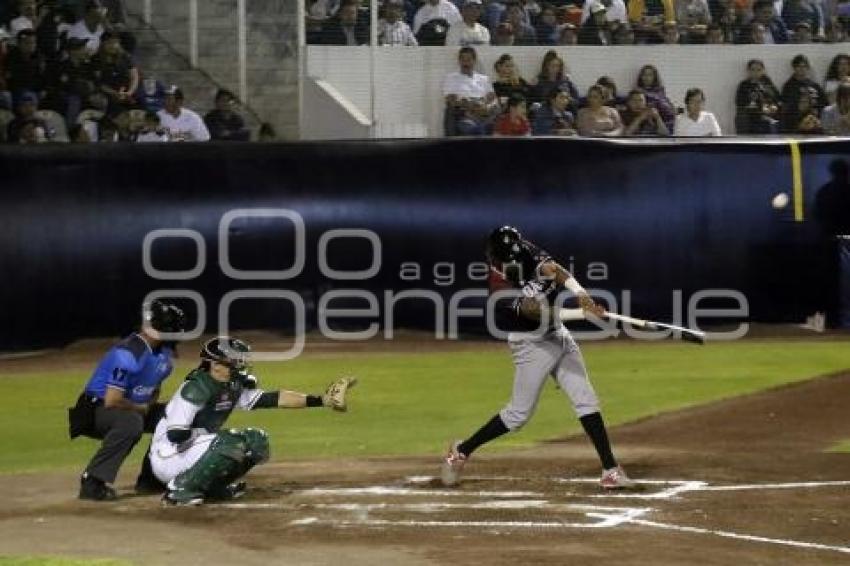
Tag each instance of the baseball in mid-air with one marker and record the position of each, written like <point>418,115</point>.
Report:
<point>780,201</point>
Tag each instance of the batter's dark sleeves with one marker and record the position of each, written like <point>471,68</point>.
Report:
<point>594,426</point>
<point>121,431</point>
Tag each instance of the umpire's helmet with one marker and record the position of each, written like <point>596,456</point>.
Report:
<point>231,352</point>
<point>164,317</point>
<point>504,245</point>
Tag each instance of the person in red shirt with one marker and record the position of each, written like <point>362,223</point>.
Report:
<point>514,122</point>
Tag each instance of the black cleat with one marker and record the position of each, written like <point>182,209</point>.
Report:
<point>149,486</point>
<point>94,489</point>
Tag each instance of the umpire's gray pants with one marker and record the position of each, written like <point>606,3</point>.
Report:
<point>535,359</point>
<point>120,430</point>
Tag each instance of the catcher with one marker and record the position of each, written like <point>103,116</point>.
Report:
<point>192,453</point>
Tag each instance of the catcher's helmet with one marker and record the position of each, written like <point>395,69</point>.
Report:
<point>231,352</point>
<point>164,317</point>
<point>504,245</point>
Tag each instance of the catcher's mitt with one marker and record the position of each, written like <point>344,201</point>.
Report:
<point>334,396</point>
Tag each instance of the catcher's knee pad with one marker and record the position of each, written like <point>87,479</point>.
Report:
<point>257,445</point>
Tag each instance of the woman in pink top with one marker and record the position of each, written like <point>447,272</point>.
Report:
<point>597,119</point>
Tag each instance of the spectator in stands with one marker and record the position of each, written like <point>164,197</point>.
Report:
<point>641,120</point>
<point>152,131</point>
<point>695,121</point>
<point>346,28</point>
<point>514,121</point>
<point>150,95</point>
<point>554,118</point>
<point>647,17</point>
<point>508,81</point>
<point>547,30</point>
<point>28,17</point>
<point>670,33</point>
<point>615,12</point>
<point>797,86</point>
<point>26,126</point>
<point>752,33</point>
<point>107,131</point>
<point>504,35</point>
<point>596,119</point>
<point>623,35</point>
<point>802,33</point>
<point>757,102</point>
<point>595,29</point>
<point>694,17</point>
<point>569,35</point>
<point>468,31</point>
<point>224,123</point>
<point>839,71</point>
<point>649,82</point>
<point>392,30</point>
<point>714,34</point>
<point>51,30</point>
<point>436,10</point>
<point>524,34</point>
<point>25,67</point>
<point>5,93</point>
<point>836,118</point>
<point>775,30</point>
<point>116,21</point>
<point>181,123</point>
<point>795,12</point>
<point>115,72</point>
<point>553,76</point>
<point>469,96</point>
<point>71,81</point>
<point>804,117</point>
<point>91,26</point>
<point>609,91</point>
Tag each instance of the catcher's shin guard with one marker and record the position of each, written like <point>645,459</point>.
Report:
<point>229,457</point>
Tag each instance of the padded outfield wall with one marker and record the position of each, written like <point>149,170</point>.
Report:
<point>651,223</point>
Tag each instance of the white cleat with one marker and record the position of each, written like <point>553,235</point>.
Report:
<point>452,466</point>
<point>616,478</point>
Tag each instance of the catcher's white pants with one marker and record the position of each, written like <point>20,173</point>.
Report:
<point>167,461</point>
<point>535,359</point>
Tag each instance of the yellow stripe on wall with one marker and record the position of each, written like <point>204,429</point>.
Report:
<point>797,180</point>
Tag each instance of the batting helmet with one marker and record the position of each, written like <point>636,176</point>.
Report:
<point>231,352</point>
<point>504,245</point>
<point>164,317</point>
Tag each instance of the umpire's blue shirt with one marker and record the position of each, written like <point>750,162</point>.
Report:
<point>133,367</point>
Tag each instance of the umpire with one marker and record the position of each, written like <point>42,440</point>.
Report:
<point>119,401</point>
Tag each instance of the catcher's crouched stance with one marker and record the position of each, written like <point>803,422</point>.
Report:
<point>192,454</point>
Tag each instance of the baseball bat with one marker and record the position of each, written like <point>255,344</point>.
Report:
<point>687,334</point>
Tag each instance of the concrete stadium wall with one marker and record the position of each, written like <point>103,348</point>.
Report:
<point>408,81</point>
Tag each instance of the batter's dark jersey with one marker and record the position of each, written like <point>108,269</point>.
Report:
<point>524,279</point>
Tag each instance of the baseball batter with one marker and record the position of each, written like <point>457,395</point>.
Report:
<point>192,453</point>
<point>526,281</point>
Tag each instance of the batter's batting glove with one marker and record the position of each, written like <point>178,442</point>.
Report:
<point>334,396</point>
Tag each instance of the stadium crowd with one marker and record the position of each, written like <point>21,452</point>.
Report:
<point>579,22</point>
<point>550,103</point>
<point>67,73</point>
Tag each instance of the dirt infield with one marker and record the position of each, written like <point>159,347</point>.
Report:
<point>740,481</point>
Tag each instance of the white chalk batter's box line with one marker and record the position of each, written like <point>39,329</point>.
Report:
<point>601,516</point>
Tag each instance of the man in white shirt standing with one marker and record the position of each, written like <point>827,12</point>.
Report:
<point>28,17</point>
<point>469,31</point>
<point>696,122</point>
<point>470,100</point>
<point>181,123</point>
<point>90,27</point>
<point>434,10</point>
<point>393,30</point>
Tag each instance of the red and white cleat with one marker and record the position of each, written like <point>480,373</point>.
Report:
<point>452,466</point>
<point>616,478</point>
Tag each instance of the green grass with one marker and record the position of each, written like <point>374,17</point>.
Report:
<point>414,403</point>
<point>57,561</point>
<point>843,446</point>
